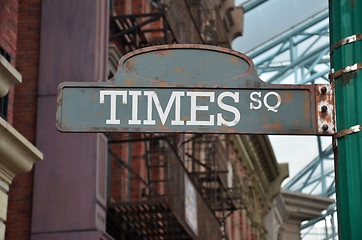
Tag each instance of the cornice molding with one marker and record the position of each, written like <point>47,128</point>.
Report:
<point>302,206</point>
<point>17,154</point>
<point>257,156</point>
<point>275,186</point>
<point>257,148</point>
<point>8,76</point>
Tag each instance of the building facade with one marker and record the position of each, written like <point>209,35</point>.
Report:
<point>17,150</point>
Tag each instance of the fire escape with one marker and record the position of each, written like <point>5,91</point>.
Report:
<point>140,205</point>
<point>133,31</point>
<point>147,191</point>
<point>207,162</point>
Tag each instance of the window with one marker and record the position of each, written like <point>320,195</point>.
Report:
<point>5,54</point>
<point>4,106</point>
<point>4,100</point>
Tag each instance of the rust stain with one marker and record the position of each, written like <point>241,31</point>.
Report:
<point>129,64</point>
<point>72,127</point>
<point>129,82</point>
<point>162,53</point>
<point>346,78</point>
<point>288,97</point>
<point>171,52</point>
<point>161,127</point>
<point>65,120</point>
<point>273,126</point>
<point>306,110</point>
<point>325,109</point>
<point>59,97</point>
<point>234,60</point>
<point>297,122</point>
<point>99,114</point>
<point>161,62</point>
<point>227,130</point>
<point>150,68</point>
<point>179,70</point>
<point>163,84</point>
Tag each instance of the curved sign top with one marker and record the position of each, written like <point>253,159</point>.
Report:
<point>194,89</point>
<point>186,65</point>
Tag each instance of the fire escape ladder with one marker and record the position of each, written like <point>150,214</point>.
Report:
<point>156,165</point>
<point>209,170</point>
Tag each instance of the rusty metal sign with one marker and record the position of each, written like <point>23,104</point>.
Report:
<point>197,89</point>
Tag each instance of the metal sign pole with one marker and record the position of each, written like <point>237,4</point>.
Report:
<point>346,61</point>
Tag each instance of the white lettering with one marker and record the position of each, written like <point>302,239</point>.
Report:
<point>152,97</point>
<point>195,108</point>
<point>265,101</point>
<point>134,119</point>
<point>228,114</point>
<point>113,95</point>
<point>234,110</point>
<point>252,98</point>
<point>272,108</point>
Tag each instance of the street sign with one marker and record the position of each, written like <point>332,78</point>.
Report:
<point>196,89</point>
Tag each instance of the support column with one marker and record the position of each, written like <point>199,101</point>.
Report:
<point>346,61</point>
<point>70,186</point>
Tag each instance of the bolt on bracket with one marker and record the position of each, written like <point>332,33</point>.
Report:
<point>325,109</point>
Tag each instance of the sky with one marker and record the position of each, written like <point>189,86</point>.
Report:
<point>297,151</point>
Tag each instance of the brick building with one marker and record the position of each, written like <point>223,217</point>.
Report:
<point>17,138</point>
<point>123,186</point>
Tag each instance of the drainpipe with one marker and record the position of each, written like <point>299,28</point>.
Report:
<point>346,61</point>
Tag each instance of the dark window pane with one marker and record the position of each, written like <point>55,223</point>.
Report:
<point>4,106</point>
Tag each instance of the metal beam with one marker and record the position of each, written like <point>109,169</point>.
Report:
<point>262,57</point>
<point>305,59</point>
<point>299,29</point>
<point>250,5</point>
<point>308,168</point>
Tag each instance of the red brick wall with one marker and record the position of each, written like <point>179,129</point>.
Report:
<point>125,7</point>
<point>18,225</point>
<point>120,175</point>
<point>8,26</point>
<point>118,178</point>
<point>8,31</point>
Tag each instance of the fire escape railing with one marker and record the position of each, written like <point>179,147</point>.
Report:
<point>134,31</point>
<point>151,194</point>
